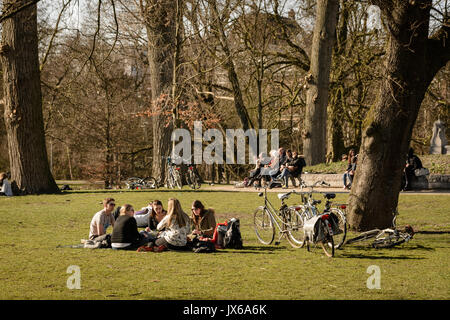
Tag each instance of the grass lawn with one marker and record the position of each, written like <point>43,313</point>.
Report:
<point>33,267</point>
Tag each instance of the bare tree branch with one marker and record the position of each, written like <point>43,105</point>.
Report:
<point>13,12</point>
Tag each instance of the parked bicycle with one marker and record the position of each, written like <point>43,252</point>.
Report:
<point>286,219</point>
<point>330,224</point>
<point>192,177</point>
<point>173,178</point>
<point>141,183</point>
<point>319,230</point>
<point>385,238</point>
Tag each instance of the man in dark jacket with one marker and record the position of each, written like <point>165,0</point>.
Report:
<point>412,163</point>
<point>292,168</point>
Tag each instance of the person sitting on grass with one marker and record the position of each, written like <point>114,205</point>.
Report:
<point>203,221</point>
<point>156,215</point>
<point>125,235</point>
<point>102,220</point>
<point>173,229</point>
<point>5,186</point>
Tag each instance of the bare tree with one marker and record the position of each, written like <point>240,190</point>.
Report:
<point>315,133</point>
<point>30,170</point>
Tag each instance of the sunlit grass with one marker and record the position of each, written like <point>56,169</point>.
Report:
<point>34,267</point>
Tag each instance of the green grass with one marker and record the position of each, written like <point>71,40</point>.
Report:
<point>32,267</point>
<point>436,163</point>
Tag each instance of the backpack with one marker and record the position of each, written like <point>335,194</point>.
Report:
<point>233,238</point>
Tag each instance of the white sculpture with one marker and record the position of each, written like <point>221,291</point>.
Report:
<point>438,143</point>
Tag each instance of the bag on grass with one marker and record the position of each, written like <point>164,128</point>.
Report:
<point>233,238</point>
<point>421,172</point>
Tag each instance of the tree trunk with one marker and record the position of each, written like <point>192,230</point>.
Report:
<point>315,131</point>
<point>412,61</point>
<point>239,105</point>
<point>30,170</point>
<point>160,18</point>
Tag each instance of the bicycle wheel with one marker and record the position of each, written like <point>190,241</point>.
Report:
<point>295,233</point>
<point>150,183</point>
<point>339,238</point>
<point>132,182</point>
<point>364,236</point>
<point>170,180</point>
<point>328,245</point>
<point>264,226</point>
<point>389,241</point>
<point>193,180</point>
<point>196,182</point>
<point>177,179</point>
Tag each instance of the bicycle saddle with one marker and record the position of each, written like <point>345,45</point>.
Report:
<point>282,196</point>
<point>330,195</point>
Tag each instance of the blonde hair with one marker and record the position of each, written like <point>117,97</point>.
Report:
<point>125,208</point>
<point>176,213</point>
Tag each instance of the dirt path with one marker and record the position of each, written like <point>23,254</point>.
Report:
<point>222,187</point>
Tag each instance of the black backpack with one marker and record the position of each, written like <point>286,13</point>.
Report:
<point>232,238</point>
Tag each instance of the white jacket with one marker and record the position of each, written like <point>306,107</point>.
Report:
<point>173,234</point>
<point>6,188</point>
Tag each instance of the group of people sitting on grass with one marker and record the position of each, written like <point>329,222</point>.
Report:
<point>164,229</point>
<point>276,170</point>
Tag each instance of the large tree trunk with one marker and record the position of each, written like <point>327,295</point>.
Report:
<point>160,19</point>
<point>30,171</point>
<point>315,131</point>
<point>411,63</point>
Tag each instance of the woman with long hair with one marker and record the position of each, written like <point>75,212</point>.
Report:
<point>203,220</point>
<point>157,213</point>
<point>174,228</point>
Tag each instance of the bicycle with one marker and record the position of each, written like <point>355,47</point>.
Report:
<point>333,225</point>
<point>337,213</point>
<point>385,238</point>
<point>141,183</point>
<point>193,179</point>
<point>173,178</point>
<point>287,220</point>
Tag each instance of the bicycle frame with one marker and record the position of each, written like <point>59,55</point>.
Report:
<point>276,216</point>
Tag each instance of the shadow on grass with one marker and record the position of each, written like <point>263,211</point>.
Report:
<point>138,191</point>
<point>254,249</point>
<point>378,257</point>
<point>433,232</point>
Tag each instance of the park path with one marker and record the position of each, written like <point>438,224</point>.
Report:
<point>222,187</point>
